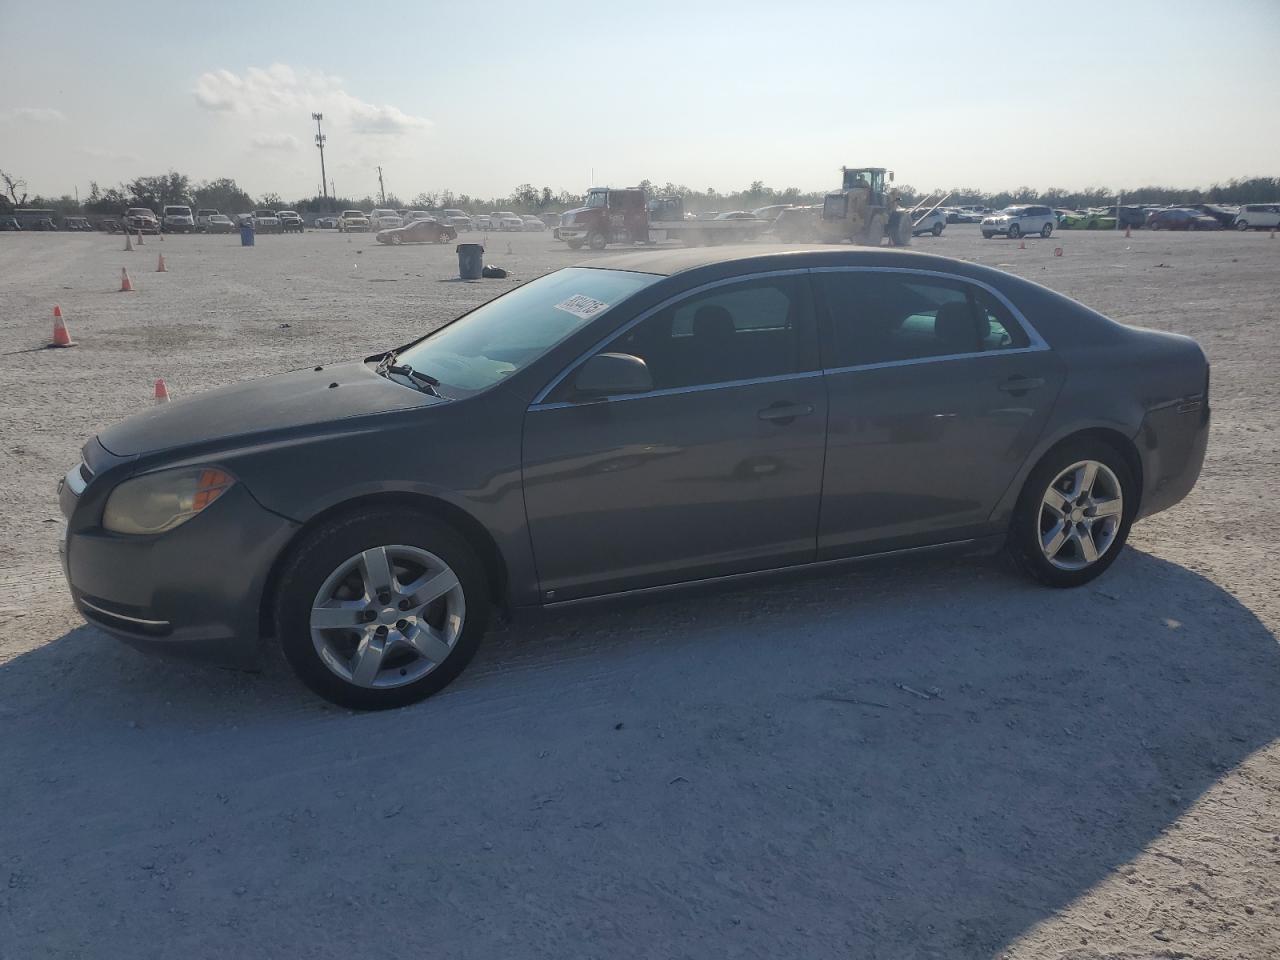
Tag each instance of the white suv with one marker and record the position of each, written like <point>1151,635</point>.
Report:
<point>177,219</point>
<point>383,219</point>
<point>1014,222</point>
<point>935,221</point>
<point>1258,216</point>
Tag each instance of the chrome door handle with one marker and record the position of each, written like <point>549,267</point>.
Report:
<point>784,413</point>
<point>1020,385</point>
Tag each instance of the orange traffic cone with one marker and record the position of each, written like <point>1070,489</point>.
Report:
<point>139,236</point>
<point>160,267</point>
<point>1057,251</point>
<point>162,392</point>
<point>128,241</point>
<point>61,338</point>
<point>126,285</point>
<point>1022,245</point>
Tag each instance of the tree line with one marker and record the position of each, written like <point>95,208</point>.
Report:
<point>226,195</point>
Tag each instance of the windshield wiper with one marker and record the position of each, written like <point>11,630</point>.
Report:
<point>423,381</point>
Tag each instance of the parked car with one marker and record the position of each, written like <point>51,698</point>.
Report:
<point>290,221</point>
<point>798,224</point>
<point>410,215</point>
<point>141,220</point>
<point>42,223</point>
<point>963,215</point>
<point>10,223</point>
<point>384,219</point>
<point>458,219</point>
<point>76,223</point>
<point>326,223</point>
<point>266,221</point>
<point>1258,216</point>
<point>533,224</point>
<point>1180,218</point>
<point>770,212</point>
<point>552,220</point>
<point>177,219</point>
<point>735,215</point>
<point>934,222</point>
<point>1072,219</point>
<point>506,220</point>
<point>202,218</point>
<point>482,221</point>
<point>418,231</point>
<point>720,412</point>
<point>218,223</point>
<point>353,221</point>
<point>1018,221</point>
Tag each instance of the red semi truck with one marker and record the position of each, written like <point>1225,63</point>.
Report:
<point>629,216</point>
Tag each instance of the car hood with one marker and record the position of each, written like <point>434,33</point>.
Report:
<point>282,402</point>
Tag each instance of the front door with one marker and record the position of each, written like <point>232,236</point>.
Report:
<point>938,393</point>
<point>716,470</point>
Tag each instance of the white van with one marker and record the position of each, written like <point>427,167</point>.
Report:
<point>1258,216</point>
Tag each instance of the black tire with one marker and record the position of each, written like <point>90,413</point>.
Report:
<point>937,230</point>
<point>324,549</point>
<point>1046,230</point>
<point>1024,532</point>
<point>987,236</point>
<point>574,244</point>
<point>1242,224</point>
<point>1015,231</point>
<point>597,240</point>
<point>1157,225</point>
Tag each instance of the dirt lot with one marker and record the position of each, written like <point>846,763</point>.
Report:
<point>735,776</point>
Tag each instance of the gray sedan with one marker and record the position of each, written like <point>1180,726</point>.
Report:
<point>638,423</point>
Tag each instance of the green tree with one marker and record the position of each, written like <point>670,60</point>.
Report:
<point>223,194</point>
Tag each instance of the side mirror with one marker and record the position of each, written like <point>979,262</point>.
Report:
<point>613,374</point>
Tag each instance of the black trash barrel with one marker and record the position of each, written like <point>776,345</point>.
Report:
<point>470,260</point>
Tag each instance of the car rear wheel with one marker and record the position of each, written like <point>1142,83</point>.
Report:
<point>937,230</point>
<point>1242,224</point>
<point>1074,514</point>
<point>987,236</point>
<point>1015,231</point>
<point>379,609</point>
<point>1046,230</point>
<point>1157,225</point>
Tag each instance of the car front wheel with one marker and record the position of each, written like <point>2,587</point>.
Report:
<point>1046,230</point>
<point>1242,224</point>
<point>380,609</point>
<point>1015,231</point>
<point>1074,514</point>
<point>937,230</point>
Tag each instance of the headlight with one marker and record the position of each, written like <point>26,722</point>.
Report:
<point>161,501</point>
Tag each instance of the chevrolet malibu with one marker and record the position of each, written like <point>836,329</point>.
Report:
<point>637,423</point>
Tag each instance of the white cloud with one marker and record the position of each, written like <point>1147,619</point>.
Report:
<point>276,141</point>
<point>279,91</point>
<point>34,115</point>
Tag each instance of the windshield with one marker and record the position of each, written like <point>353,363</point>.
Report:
<point>507,334</point>
<point>353,213</point>
<point>597,199</point>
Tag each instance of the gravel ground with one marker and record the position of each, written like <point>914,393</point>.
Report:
<point>741,775</point>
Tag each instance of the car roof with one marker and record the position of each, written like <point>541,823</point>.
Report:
<point>757,257</point>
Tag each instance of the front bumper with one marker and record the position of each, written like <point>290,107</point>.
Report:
<point>571,233</point>
<point>195,591</point>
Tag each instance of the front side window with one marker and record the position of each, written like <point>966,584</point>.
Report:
<point>742,331</point>
<point>505,335</point>
<point>895,317</point>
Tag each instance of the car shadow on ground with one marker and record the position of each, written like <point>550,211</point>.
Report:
<point>916,759</point>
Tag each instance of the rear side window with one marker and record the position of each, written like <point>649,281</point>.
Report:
<point>899,317</point>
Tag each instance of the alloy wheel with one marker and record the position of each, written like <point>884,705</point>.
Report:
<point>387,616</point>
<point>1080,515</point>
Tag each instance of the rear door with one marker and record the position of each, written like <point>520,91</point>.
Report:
<point>717,470</point>
<point>938,389</point>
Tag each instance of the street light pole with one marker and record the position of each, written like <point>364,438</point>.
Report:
<point>382,192</point>
<point>320,139</point>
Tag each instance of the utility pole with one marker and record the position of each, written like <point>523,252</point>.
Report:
<point>333,191</point>
<point>320,139</point>
<point>382,193</point>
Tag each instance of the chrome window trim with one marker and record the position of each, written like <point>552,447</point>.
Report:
<point>673,391</point>
<point>1036,343</point>
<point>539,401</point>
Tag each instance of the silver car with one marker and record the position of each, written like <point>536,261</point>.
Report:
<point>1019,221</point>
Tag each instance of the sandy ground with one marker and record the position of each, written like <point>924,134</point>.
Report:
<point>740,775</point>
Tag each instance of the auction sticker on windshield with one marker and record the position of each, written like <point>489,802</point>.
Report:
<point>580,305</point>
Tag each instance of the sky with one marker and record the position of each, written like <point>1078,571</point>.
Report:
<point>478,98</point>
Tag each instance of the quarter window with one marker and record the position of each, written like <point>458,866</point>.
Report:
<point>742,331</point>
<point>895,317</point>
